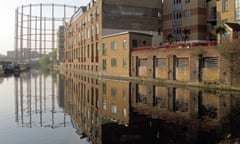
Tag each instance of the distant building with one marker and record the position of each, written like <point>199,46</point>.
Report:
<point>25,55</point>
<point>60,44</point>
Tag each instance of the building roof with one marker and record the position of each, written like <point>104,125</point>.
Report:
<point>128,32</point>
<point>233,26</point>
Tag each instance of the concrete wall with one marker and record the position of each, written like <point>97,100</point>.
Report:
<point>189,70</point>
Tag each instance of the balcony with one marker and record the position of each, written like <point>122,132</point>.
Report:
<point>176,22</point>
<point>212,19</point>
<point>212,16</point>
<point>177,7</point>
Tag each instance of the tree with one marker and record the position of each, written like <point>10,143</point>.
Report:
<point>186,33</point>
<point>230,54</point>
<point>44,60</point>
<point>170,38</point>
<point>219,30</point>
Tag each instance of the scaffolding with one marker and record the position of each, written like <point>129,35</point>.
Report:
<point>36,27</point>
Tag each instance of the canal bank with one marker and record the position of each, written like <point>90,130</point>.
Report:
<point>203,85</point>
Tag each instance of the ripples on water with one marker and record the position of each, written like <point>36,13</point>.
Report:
<point>78,109</point>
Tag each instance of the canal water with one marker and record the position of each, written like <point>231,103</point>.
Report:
<point>51,108</point>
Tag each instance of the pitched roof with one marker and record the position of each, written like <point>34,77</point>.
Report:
<point>233,26</point>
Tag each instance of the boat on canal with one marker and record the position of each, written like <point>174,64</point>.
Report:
<point>1,70</point>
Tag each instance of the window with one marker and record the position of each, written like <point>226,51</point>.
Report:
<point>124,44</point>
<point>224,5</point>
<point>113,92</point>
<point>160,62</point>
<point>210,62</point>
<point>124,62</point>
<point>104,88</point>
<point>182,62</point>
<point>97,29</point>
<point>104,64</point>
<point>142,62</point>
<point>88,33</point>
<point>237,9</point>
<point>187,1</point>
<point>187,14</point>
<point>113,108</point>
<point>134,43</point>
<point>114,62</point>
<point>113,45</point>
<point>104,49</point>
<point>88,51</point>
<point>125,112</point>
<point>104,103</point>
<point>124,95</point>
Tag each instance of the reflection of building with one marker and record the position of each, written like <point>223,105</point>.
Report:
<point>115,100</point>
<point>144,112</point>
<point>182,104</point>
<point>91,103</point>
<point>60,90</point>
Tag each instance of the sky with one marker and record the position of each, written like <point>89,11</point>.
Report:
<point>7,17</point>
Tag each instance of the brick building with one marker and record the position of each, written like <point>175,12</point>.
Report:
<point>116,52</point>
<point>185,17</point>
<point>228,14</point>
<point>105,17</point>
<point>228,11</point>
<point>180,64</point>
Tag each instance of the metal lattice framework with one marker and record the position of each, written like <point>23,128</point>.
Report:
<point>36,27</point>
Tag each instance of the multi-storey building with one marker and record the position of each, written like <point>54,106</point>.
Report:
<point>229,15</point>
<point>228,11</point>
<point>106,17</point>
<point>185,17</point>
<point>211,18</point>
<point>60,44</point>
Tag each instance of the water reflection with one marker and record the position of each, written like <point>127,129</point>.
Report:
<point>36,102</point>
<point>110,111</point>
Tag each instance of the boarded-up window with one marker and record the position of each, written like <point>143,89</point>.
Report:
<point>142,62</point>
<point>210,62</point>
<point>160,62</point>
<point>182,62</point>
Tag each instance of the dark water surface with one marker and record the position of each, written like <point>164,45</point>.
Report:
<point>79,109</point>
<point>32,112</point>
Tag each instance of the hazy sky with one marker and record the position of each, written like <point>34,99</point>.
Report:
<point>7,16</point>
